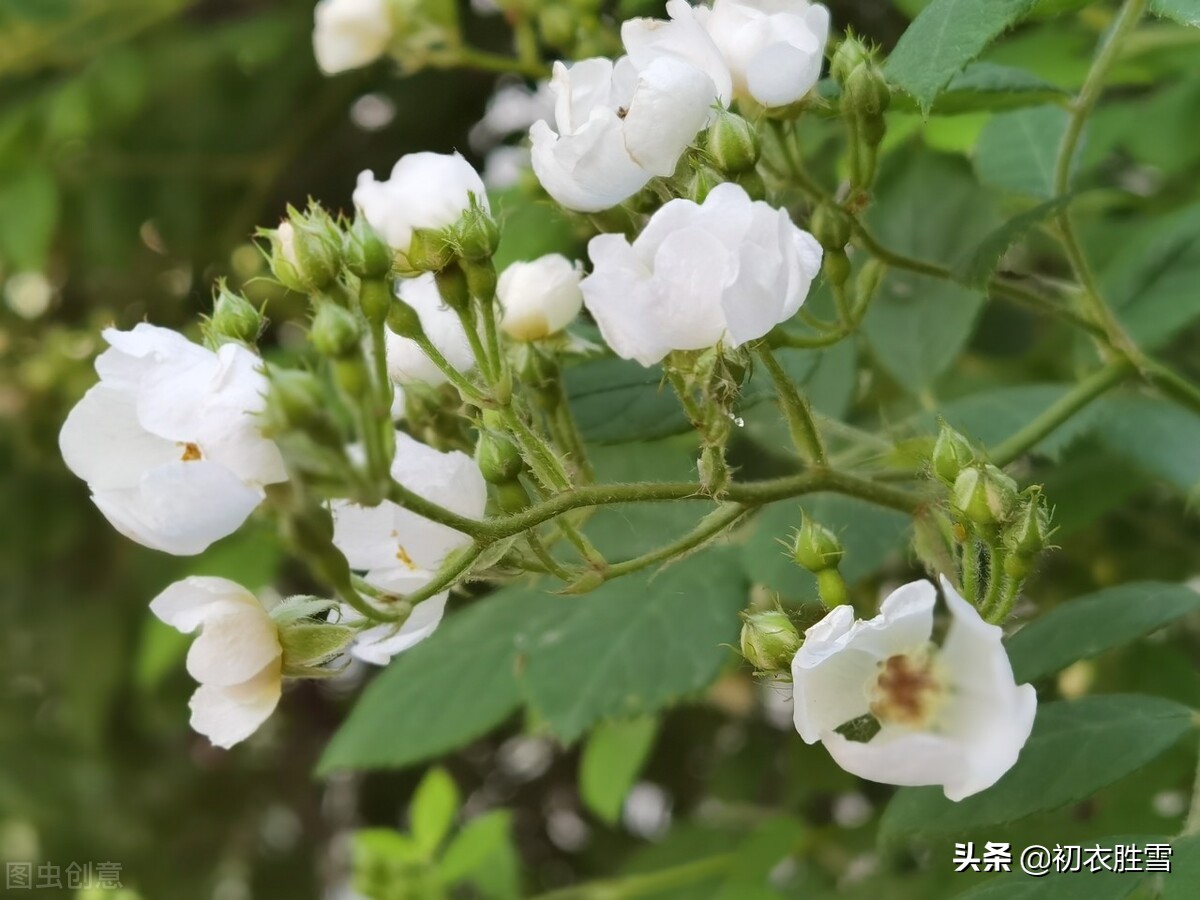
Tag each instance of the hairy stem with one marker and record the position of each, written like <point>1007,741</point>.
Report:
<point>795,409</point>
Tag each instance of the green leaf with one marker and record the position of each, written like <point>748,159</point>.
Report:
<point>869,534</point>
<point>1150,433</point>
<point>976,269</point>
<point>449,689</point>
<point>1185,12</point>
<point>636,645</point>
<point>613,755</point>
<point>1076,749</point>
<point>1017,150</point>
<point>531,229</point>
<point>930,207</point>
<point>1151,281</point>
<point>946,36</point>
<point>1181,883</point>
<point>433,808</point>
<point>483,854</point>
<point>1089,625</point>
<point>980,87</point>
<point>616,400</point>
<point>759,855</point>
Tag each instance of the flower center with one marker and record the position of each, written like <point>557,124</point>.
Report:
<point>908,690</point>
<point>191,452</point>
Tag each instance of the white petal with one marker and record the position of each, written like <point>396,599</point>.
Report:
<point>904,623</point>
<point>589,170</point>
<point>364,534</point>
<point>671,103</point>
<point>379,644</point>
<point>830,681</point>
<point>540,297</point>
<point>896,756</point>
<point>103,442</point>
<point>621,297</point>
<point>782,73</point>
<point>682,38</point>
<point>187,604</point>
<point>449,478</point>
<point>691,270</point>
<point>231,420</point>
<point>349,34</point>
<point>228,715</point>
<point>180,508</point>
<point>407,362</point>
<point>134,354</point>
<point>233,645</point>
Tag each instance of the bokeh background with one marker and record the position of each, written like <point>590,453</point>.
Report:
<point>141,142</point>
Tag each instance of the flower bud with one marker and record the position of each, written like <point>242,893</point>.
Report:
<point>752,183</point>
<point>831,226</point>
<point>367,254</point>
<point>1029,530</point>
<point>375,297</point>
<point>305,250</point>
<point>951,454</point>
<point>498,457</point>
<point>295,399</point>
<point>234,318</point>
<point>481,279</point>
<point>307,644</point>
<point>335,331</point>
<point>850,54</point>
<point>867,91</point>
<point>511,496</point>
<point>835,266</point>
<point>429,251</point>
<point>832,588</point>
<point>477,234</point>
<point>816,548</point>
<point>983,494</point>
<point>452,285</point>
<point>732,142</point>
<point>769,640</point>
<point>404,320</point>
<point>714,470</point>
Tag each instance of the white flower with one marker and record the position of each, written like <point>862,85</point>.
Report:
<point>169,441</point>
<point>950,715</point>
<point>616,127</point>
<point>349,34</point>
<point>539,298</point>
<point>774,48</point>
<point>425,191</point>
<point>379,643</point>
<point>407,362</point>
<point>237,658</point>
<point>728,270</point>
<point>682,37</point>
<point>400,551</point>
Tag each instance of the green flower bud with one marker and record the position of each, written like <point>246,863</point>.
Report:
<point>1029,530</point>
<point>769,640</point>
<point>832,588</point>
<point>306,250</point>
<point>404,320</point>
<point>477,234</point>
<point>351,375</point>
<point>866,91</point>
<point>511,496</point>
<point>835,265</point>
<point>375,297</point>
<point>850,54</point>
<point>367,254</point>
<point>335,331</point>
<point>752,183</point>
<point>832,226</point>
<point>234,318</point>
<point>984,495</point>
<point>815,547</point>
<point>429,251</point>
<point>308,643</point>
<point>481,279</point>
<point>704,179</point>
<point>295,398</point>
<point>732,142</point>
<point>498,457</point>
<point>452,285</point>
<point>951,454</point>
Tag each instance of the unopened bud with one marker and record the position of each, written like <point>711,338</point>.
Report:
<point>305,250</point>
<point>832,226</point>
<point>703,180</point>
<point>984,495</point>
<point>951,454</point>
<point>866,91</point>
<point>1026,535</point>
<point>429,251</point>
<point>404,320</point>
<point>367,254</point>
<point>452,285</point>
<point>234,318</point>
<point>732,142</point>
<point>498,458</point>
<point>752,183</point>
<point>511,496</point>
<point>375,297</point>
<point>835,266</point>
<point>308,643</point>
<point>816,548</point>
<point>335,331</point>
<point>477,234</point>
<point>295,398</point>
<point>769,640</point>
<point>850,54</point>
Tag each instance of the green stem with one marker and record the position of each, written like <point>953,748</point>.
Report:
<point>1061,410</point>
<point>538,546</point>
<point>485,61</point>
<point>1172,384</point>
<point>651,883</point>
<point>707,529</point>
<point>427,509</point>
<point>795,409</point>
<point>455,377</point>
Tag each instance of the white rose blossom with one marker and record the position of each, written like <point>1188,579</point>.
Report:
<point>349,34</point>
<point>770,51</point>
<point>406,361</point>
<point>429,191</point>
<point>725,271</point>
<point>400,551</point>
<point>539,298</point>
<point>616,127</point>
<point>169,440</point>
<point>237,658</point>
<point>951,715</point>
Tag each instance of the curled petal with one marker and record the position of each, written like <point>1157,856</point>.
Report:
<point>671,103</point>
<point>379,644</point>
<point>229,715</point>
<point>188,604</point>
